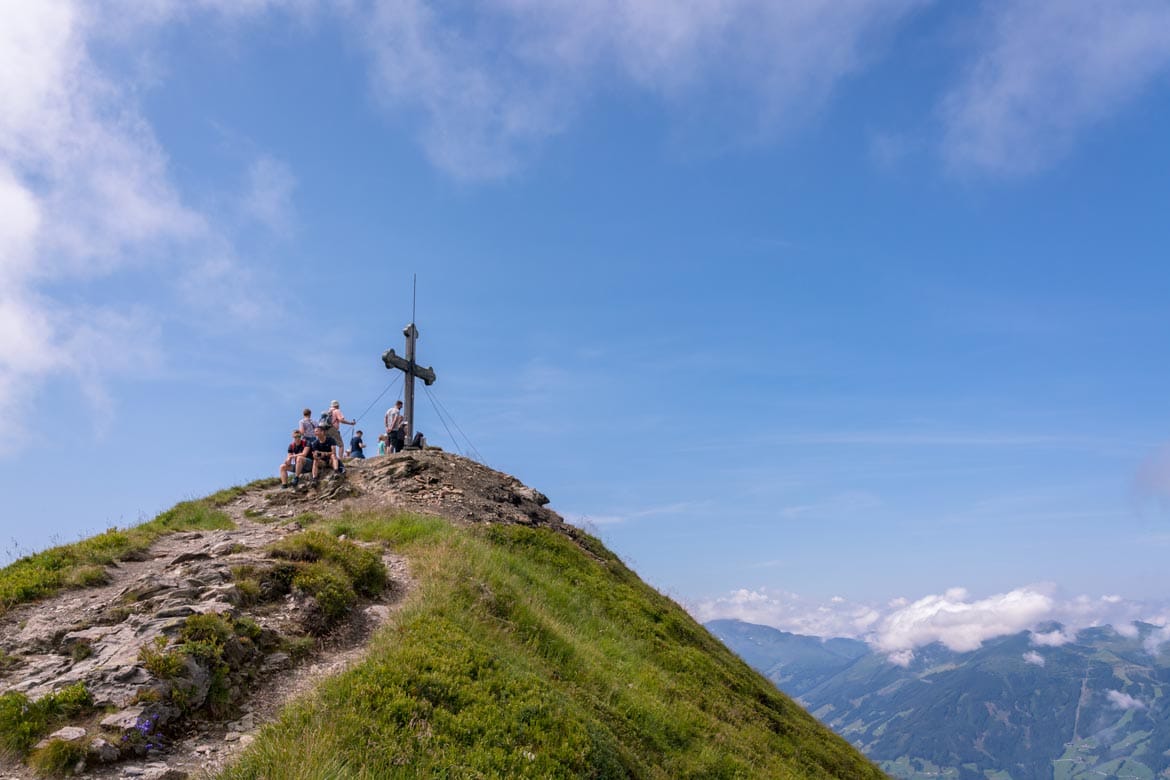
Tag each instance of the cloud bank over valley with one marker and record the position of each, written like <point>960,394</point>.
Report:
<point>953,618</point>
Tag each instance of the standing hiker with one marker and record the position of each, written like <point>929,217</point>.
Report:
<point>357,447</point>
<point>395,428</point>
<point>336,420</point>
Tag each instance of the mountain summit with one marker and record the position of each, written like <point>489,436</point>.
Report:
<point>422,616</point>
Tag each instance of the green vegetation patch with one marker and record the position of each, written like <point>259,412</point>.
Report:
<point>524,653</point>
<point>24,722</point>
<point>363,567</point>
<point>226,649</point>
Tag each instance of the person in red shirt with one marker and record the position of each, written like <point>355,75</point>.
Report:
<point>297,459</point>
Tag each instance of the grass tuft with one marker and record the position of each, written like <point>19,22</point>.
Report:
<point>58,758</point>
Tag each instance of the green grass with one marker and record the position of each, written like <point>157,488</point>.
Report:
<point>23,722</point>
<point>521,653</point>
<point>82,564</point>
<point>58,758</point>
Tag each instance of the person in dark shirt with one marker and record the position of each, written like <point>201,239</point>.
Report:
<point>297,459</point>
<point>323,454</point>
<point>357,447</point>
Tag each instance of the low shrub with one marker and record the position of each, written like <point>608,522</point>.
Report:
<point>362,566</point>
<point>332,590</point>
<point>162,663</point>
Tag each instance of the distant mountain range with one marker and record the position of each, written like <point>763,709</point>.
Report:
<point>1095,707</point>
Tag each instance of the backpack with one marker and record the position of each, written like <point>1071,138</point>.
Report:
<point>326,418</point>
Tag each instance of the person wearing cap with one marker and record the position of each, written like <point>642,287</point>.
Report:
<point>323,453</point>
<point>335,431</point>
<point>297,459</point>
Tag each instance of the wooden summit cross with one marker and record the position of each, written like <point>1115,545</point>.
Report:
<point>408,367</point>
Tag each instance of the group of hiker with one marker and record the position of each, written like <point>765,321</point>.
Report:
<point>317,444</point>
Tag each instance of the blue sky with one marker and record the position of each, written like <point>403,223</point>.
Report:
<point>839,316</point>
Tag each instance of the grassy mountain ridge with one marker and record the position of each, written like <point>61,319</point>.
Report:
<point>520,650</point>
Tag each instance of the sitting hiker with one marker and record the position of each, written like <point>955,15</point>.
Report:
<point>323,454</point>
<point>357,447</point>
<point>297,460</point>
<point>419,441</point>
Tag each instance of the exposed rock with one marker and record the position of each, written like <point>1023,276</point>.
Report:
<point>123,720</point>
<point>66,734</point>
<point>102,751</point>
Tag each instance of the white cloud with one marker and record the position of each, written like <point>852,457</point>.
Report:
<point>1054,638</point>
<point>957,623</point>
<point>1047,70</point>
<point>506,74</point>
<point>1033,657</point>
<point>1158,637</point>
<point>790,612</point>
<point>86,193</point>
<point>1123,701</point>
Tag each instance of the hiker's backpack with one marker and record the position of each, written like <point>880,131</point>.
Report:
<point>326,418</point>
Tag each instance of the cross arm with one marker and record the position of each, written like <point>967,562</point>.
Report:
<point>391,361</point>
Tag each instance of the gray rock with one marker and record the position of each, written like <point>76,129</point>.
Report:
<point>102,751</point>
<point>179,610</point>
<point>123,720</point>
<point>130,675</point>
<point>275,661</point>
<point>68,733</point>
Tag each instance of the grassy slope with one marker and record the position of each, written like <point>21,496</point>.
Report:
<point>522,653</point>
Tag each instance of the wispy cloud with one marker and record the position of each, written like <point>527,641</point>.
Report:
<point>1045,71</point>
<point>268,194</point>
<point>615,517</point>
<point>86,193</point>
<point>1033,657</point>
<point>491,81</point>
